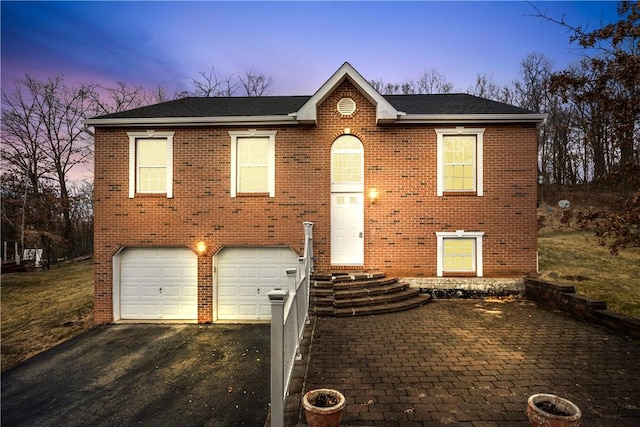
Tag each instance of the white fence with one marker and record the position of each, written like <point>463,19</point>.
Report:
<point>289,314</point>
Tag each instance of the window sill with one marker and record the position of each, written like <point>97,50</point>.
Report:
<point>459,194</point>
<point>459,274</point>
<point>252,194</point>
<point>151,195</point>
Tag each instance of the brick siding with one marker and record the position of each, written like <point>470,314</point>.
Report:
<point>400,161</point>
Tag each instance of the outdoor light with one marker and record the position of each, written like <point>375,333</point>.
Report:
<point>373,195</point>
<point>201,246</point>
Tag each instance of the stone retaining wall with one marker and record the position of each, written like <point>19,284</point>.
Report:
<point>563,297</point>
<point>472,287</point>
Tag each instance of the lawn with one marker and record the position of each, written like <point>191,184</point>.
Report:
<point>575,258</point>
<point>43,308</point>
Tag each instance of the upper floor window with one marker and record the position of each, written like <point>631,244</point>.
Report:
<point>151,163</point>
<point>460,159</point>
<point>253,162</point>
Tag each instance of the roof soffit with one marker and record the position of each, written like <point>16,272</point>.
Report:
<point>385,112</point>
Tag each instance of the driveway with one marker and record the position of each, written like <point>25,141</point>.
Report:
<point>472,363</point>
<point>145,375</point>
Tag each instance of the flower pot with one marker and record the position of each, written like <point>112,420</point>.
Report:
<point>552,411</point>
<point>316,411</point>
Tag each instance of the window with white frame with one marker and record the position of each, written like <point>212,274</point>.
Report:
<point>253,162</point>
<point>151,163</point>
<point>459,252</point>
<point>459,156</point>
<point>347,164</point>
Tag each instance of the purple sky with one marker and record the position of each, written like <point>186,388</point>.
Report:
<point>298,44</point>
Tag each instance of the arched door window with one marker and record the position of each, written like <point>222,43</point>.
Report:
<point>347,164</point>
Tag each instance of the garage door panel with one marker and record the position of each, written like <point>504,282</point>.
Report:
<point>248,273</point>
<point>149,290</point>
<point>158,283</point>
<point>244,278</point>
<point>247,310</point>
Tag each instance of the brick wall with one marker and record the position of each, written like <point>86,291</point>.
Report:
<point>400,161</point>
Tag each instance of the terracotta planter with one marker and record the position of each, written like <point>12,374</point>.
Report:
<point>539,417</point>
<point>319,416</point>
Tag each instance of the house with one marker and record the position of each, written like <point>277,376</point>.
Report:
<point>199,202</point>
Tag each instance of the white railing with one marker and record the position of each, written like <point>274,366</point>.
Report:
<point>289,315</point>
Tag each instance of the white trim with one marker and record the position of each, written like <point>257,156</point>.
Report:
<point>196,121</point>
<point>133,136</point>
<point>292,119</point>
<point>472,118</point>
<point>459,234</point>
<point>348,187</point>
<point>385,112</point>
<point>461,130</point>
<point>271,169</point>
<point>115,286</point>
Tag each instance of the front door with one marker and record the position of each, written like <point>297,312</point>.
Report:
<point>347,229</point>
<point>347,201</point>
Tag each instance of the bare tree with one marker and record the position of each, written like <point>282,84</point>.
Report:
<point>209,85</point>
<point>22,133</point>
<point>431,81</point>
<point>255,84</point>
<point>612,55</point>
<point>485,87</point>
<point>43,136</point>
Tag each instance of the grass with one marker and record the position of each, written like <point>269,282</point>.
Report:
<point>575,258</point>
<point>44,308</point>
<point>41,309</point>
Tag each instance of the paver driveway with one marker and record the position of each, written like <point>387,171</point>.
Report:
<point>145,375</point>
<point>473,363</point>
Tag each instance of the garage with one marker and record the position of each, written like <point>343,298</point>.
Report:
<point>246,275</point>
<point>158,284</point>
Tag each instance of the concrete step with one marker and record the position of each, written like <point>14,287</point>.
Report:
<point>417,301</point>
<point>359,294</point>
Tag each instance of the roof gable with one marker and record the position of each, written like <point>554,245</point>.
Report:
<point>385,112</point>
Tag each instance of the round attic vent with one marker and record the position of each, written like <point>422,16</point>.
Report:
<point>346,106</point>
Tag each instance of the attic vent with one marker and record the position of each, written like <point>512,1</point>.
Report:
<point>346,106</point>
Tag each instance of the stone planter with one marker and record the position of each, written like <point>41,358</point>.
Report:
<point>323,416</point>
<point>539,417</point>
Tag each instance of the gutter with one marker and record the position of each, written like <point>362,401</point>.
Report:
<point>193,121</point>
<point>292,119</point>
<point>473,118</point>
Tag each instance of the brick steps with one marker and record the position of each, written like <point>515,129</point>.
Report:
<point>362,294</point>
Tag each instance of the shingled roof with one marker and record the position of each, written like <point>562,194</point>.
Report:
<point>433,108</point>
<point>435,104</point>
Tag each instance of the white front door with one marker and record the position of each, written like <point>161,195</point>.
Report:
<point>347,229</point>
<point>347,201</point>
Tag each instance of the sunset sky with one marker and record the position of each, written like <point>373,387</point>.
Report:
<point>298,44</point>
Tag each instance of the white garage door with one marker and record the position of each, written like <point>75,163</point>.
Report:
<point>245,277</point>
<point>158,283</point>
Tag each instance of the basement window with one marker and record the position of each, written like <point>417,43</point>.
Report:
<point>459,253</point>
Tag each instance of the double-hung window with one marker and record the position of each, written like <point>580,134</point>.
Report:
<point>459,252</point>
<point>459,156</point>
<point>151,163</point>
<point>252,163</point>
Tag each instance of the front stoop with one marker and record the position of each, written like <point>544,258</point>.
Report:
<point>361,294</point>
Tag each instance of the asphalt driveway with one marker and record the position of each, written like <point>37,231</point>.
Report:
<point>145,375</point>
